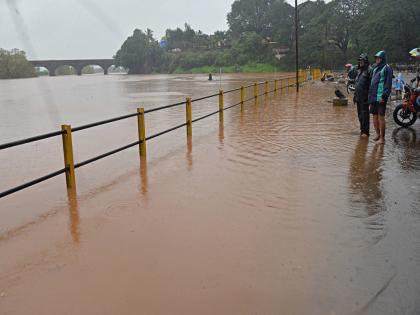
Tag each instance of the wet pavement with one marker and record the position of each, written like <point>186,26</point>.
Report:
<point>282,209</point>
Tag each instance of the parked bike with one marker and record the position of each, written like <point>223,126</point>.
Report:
<point>406,114</point>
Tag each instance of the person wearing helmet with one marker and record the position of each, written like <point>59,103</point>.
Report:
<point>351,71</point>
<point>361,94</point>
<point>379,92</point>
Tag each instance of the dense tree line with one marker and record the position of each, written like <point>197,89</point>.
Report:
<point>331,34</point>
<point>13,65</point>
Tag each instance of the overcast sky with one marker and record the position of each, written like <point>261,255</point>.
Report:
<point>74,29</point>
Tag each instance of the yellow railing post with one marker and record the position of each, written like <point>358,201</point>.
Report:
<point>221,105</point>
<point>242,98</point>
<point>189,117</point>
<point>142,132</point>
<point>275,86</point>
<point>288,84</point>
<point>266,88</point>
<point>68,156</point>
<point>255,90</point>
<point>281,85</point>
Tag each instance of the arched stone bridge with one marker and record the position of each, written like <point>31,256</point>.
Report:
<point>52,65</point>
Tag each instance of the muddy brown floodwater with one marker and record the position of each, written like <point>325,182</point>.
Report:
<point>280,210</point>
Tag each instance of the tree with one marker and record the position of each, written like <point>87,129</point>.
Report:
<point>271,19</point>
<point>140,53</point>
<point>13,65</point>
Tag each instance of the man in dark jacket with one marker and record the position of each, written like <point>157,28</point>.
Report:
<point>361,94</point>
<point>379,92</point>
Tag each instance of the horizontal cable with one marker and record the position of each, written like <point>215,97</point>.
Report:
<point>249,99</point>
<point>103,122</point>
<point>99,157</point>
<point>229,107</point>
<point>206,116</point>
<point>204,97</point>
<point>234,90</point>
<point>166,131</point>
<point>163,107</point>
<point>32,183</point>
<point>32,139</point>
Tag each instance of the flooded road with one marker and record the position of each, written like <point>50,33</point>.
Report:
<point>281,210</point>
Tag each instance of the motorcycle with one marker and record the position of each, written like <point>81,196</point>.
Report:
<point>406,114</point>
<point>351,85</point>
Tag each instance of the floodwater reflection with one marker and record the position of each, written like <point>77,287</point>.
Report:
<point>143,176</point>
<point>366,177</point>
<point>365,184</point>
<point>74,216</point>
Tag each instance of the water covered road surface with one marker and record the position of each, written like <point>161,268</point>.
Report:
<point>282,210</point>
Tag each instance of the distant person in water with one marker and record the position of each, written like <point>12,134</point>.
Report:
<point>379,92</point>
<point>361,94</point>
<point>210,77</point>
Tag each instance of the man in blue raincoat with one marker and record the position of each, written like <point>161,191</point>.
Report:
<point>379,92</point>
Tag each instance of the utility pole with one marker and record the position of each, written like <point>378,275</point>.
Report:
<point>297,44</point>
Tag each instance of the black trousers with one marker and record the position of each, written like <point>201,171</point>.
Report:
<point>364,117</point>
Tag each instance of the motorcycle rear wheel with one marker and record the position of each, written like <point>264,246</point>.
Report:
<point>404,117</point>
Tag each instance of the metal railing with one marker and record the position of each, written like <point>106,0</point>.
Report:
<point>67,131</point>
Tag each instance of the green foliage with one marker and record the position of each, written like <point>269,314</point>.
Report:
<point>140,53</point>
<point>330,35</point>
<point>13,65</point>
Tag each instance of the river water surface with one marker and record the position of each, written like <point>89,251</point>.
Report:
<point>282,209</point>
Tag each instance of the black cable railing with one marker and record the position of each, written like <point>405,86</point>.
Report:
<point>29,140</point>
<point>32,183</point>
<point>123,148</point>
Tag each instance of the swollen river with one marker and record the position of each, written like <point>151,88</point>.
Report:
<point>282,209</point>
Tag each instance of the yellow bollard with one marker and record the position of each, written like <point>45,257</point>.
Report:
<point>68,156</point>
<point>255,90</point>
<point>242,98</point>
<point>142,132</point>
<point>266,88</point>
<point>189,117</point>
<point>275,86</point>
<point>221,105</point>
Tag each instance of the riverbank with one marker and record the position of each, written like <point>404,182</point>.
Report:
<point>247,68</point>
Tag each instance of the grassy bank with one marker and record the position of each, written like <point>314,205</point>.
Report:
<point>248,68</point>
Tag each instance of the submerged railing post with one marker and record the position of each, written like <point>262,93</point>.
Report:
<point>255,90</point>
<point>275,86</point>
<point>221,105</point>
<point>142,132</point>
<point>242,98</point>
<point>68,156</point>
<point>189,117</point>
<point>266,88</point>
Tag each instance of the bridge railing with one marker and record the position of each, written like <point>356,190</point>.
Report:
<point>66,130</point>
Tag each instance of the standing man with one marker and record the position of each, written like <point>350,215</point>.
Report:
<point>361,94</point>
<point>379,92</point>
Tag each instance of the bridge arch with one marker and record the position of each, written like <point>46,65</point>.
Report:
<point>105,67</point>
<point>78,65</point>
<point>66,70</point>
